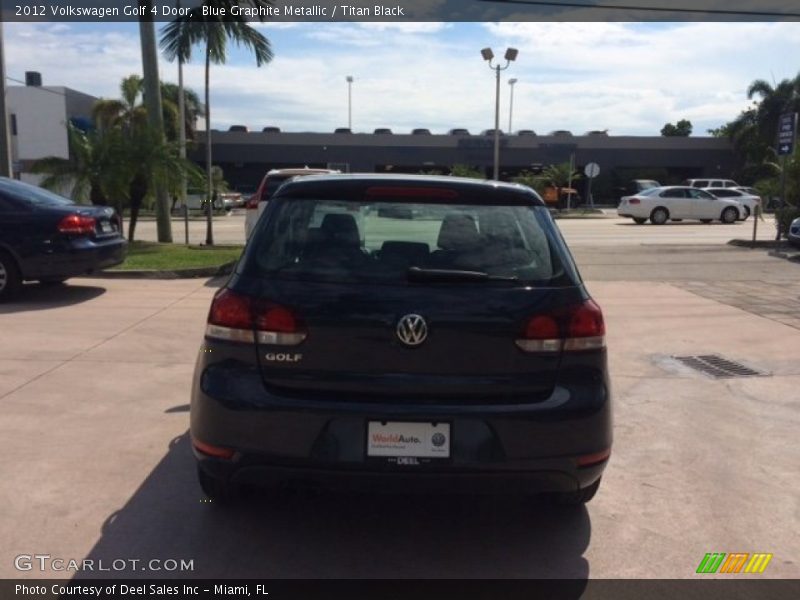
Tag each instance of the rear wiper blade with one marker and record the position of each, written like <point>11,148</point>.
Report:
<point>445,275</point>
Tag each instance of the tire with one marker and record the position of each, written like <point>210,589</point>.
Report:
<point>579,498</point>
<point>219,491</point>
<point>659,216</point>
<point>639,221</point>
<point>10,278</point>
<point>746,213</point>
<point>729,215</point>
<point>706,221</point>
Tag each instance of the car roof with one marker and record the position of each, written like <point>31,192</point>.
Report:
<point>299,171</point>
<point>350,186</point>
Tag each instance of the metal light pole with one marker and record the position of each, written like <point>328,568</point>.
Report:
<point>349,79</point>
<point>488,56</point>
<point>511,83</point>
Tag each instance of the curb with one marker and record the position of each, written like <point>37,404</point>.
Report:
<point>225,269</point>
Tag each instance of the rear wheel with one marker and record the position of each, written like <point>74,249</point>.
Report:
<point>639,221</point>
<point>729,215</point>
<point>582,496</point>
<point>218,490</point>
<point>10,279</point>
<point>659,216</point>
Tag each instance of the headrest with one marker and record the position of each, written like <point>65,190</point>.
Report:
<point>458,232</point>
<point>341,229</point>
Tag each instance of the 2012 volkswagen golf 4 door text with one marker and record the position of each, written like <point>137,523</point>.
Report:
<point>404,332</point>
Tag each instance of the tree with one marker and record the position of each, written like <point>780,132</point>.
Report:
<point>90,172</point>
<point>128,111</point>
<point>116,167</point>
<point>774,101</point>
<point>682,128</point>
<point>155,117</point>
<point>179,36</point>
<point>170,94</point>
<point>459,170</point>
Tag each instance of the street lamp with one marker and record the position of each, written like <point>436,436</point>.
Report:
<point>511,83</point>
<point>349,79</point>
<point>488,56</point>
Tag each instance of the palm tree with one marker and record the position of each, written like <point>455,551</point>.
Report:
<point>89,173</point>
<point>774,101</point>
<point>115,167</point>
<point>152,163</point>
<point>193,108</point>
<point>126,112</point>
<point>180,35</point>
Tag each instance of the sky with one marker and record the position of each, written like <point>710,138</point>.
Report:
<point>627,78</point>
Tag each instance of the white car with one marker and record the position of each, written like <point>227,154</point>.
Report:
<point>707,183</point>
<point>677,203</point>
<point>269,184</point>
<point>748,201</point>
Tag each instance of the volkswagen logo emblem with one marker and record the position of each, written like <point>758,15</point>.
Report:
<point>412,330</point>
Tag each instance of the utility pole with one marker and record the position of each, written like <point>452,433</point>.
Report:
<point>5,140</point>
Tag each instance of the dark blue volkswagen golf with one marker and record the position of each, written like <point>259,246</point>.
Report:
<point>404,331</point>
<point>49,238</point>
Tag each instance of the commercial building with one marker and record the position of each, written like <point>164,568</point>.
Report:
<point>38,117</point>
<point>245,156</point>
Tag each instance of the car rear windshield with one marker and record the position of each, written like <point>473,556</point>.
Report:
<point>32,194</point>
<point>380,241</point>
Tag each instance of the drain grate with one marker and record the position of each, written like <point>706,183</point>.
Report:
<point>717,366</point>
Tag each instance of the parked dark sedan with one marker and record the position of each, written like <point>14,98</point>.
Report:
<point>49,238</point>
<point>454,348</point>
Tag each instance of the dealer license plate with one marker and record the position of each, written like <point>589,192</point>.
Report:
<point>408,439</point>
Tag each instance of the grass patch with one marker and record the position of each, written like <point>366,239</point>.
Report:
<point>169,257</point>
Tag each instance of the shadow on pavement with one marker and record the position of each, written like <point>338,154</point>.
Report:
<point>217,282</point>
<point>679,223</point>
<point>34,296</point>
<point>302,534</point>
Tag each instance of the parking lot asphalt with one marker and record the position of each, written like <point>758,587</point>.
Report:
<point>94,388</point>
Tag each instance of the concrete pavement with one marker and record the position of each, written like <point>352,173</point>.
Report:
<point>94,388</point>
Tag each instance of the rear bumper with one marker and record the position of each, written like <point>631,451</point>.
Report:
<point>521,447</point>
<point>76,257</point>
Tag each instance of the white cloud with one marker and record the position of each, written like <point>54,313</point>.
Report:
<point>628,78</point>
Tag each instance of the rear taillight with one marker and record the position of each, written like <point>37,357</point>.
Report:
<point>252,202</point>
<point>211,450</point>
<point>634,201</point>
<point>577,328</point>
<point>77,225</point>
<point>237,318</point>
<point>595,458</point>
